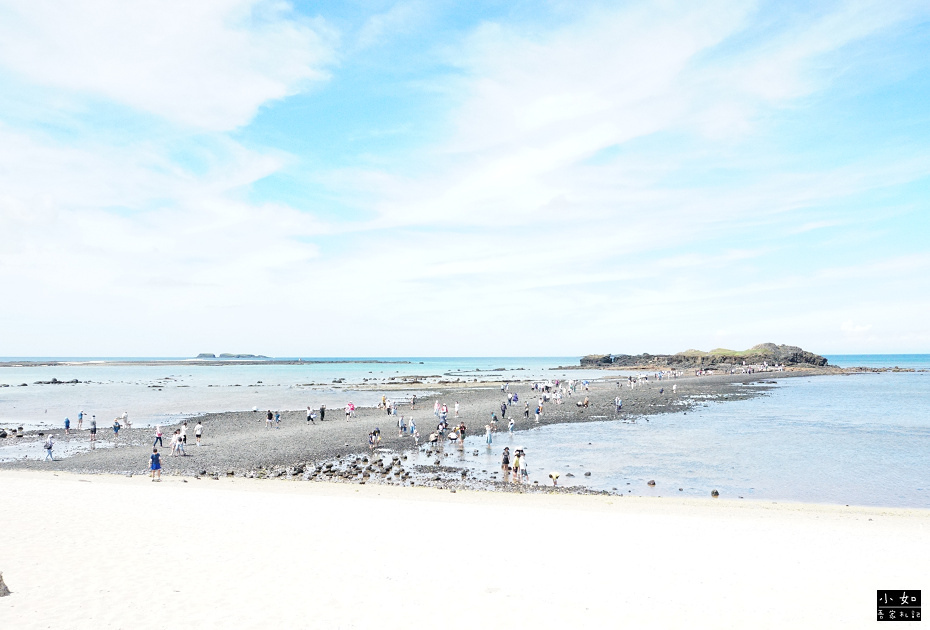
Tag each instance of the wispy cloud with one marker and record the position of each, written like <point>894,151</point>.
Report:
<point>208,64</point>
<point>613,182</point>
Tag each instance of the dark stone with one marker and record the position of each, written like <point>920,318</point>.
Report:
<point>651,482</point>
<point>714,493</point>
<point>587,474</point>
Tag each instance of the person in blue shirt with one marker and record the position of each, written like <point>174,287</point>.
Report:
<point>155,464</point>
<point>67,426</point>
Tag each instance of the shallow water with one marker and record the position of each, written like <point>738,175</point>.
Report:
<point>165,393</point>
<point>32,449</point>
<point>860,439</point>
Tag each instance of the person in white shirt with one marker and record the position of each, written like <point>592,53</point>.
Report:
<point>198,432</point>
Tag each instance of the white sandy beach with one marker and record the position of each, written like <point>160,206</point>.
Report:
<point>83,551</point>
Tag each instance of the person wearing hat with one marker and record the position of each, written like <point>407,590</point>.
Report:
<point>554,476</point>
<point>505,460</point>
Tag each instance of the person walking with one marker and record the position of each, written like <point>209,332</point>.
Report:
<point>322,412</point>
<point>198,432</point>
<point>310,415</point>
<point>155,464</point>
<point>456,409</point>
<point>93,429</point>
<point>269,418</point>
<point>412,426</point>
<point>510,426</point>
<point>503,410</point>
<point>526,410</point>
<point>462,431</point>
<point>538,411</point>
<point>49,443</point>
<point>80,419</point>
<point>158,435</point>
<point>116,428</point>
<point>67,426</point>
<point>184,434</point>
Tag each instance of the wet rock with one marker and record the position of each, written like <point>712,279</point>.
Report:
<point>651,482</point>
<point>569,475</point>
<point>714,493</point>
<point>587,474</point>
<point>231,473</point>
<point>3,433</point>
<point>680,490</point>
<point>4,591</point>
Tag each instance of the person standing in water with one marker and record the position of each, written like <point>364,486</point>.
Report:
<point>487,434</point>
<point>505,460</point>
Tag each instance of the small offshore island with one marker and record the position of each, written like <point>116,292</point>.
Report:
<point>763,354</point>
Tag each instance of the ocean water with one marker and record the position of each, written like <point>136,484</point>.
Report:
<point>860,439</point>
<point>908,361</point>
<point>163,393</point>
<point>848,439</point>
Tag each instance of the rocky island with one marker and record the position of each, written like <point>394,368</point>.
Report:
<point>764,353</point>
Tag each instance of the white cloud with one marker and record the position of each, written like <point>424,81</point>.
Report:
<point>208,64</point>
<point>400,18</point>
<point>503,237</point>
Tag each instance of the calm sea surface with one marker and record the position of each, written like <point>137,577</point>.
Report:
<point>860,439</point>
<point>854,439</point>
<point>162,393</point>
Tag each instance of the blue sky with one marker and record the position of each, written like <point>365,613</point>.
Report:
<point>483,178</point>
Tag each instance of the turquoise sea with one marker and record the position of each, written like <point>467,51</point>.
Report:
<point>857,439</point>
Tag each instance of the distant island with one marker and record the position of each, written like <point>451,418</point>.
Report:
<point>226,355</point>
<point>769,353</point>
